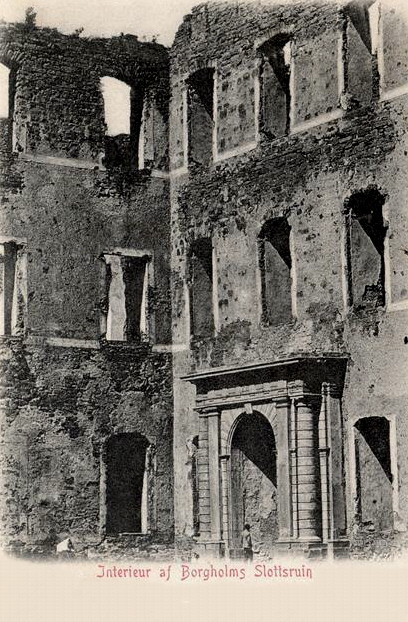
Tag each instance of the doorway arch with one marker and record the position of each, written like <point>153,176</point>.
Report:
<point>253,482</point>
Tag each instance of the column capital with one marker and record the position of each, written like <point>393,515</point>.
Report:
<point>312,400</point>
<point>208,411</point>
<point>282,400</point>
<point>331,389</point>
<point>299,389</point>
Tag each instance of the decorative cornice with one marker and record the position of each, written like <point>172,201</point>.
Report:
<point>220,372</point>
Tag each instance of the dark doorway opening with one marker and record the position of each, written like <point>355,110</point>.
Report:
<point>126,465</point>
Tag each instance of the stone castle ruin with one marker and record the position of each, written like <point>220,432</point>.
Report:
<point>204,285</point>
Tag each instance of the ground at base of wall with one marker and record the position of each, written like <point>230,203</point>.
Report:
<point>365,546</point>
<point>107,550</point>
<point>374,546</point>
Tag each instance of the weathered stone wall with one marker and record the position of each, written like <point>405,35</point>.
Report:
<point>69,219</point>
<point>59,407</point>
<point>61,400</point>
<point>58,105</point>
<point>307,177</point>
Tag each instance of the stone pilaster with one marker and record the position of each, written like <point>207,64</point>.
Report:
<point>325,475</point>
<point>283,467</point>
<point>203,478</point>
<point>224,461</point>
<point>308,498</point>
<point>214,473</point>
<point>209,481</point>
<point>335,462</point>
<point>305,468</point>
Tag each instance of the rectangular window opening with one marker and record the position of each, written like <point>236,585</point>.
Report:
<point>7,102</point>
<point>123,115</point>
<point>12,288</point>
<point>126,283</point>
<point>374,474</point>
<point>201,288</point>
<point>374,22</point>
<point>200,116</point>
<point>366,234</point>
<point>275,86</point>
<point>276,267</point>
<point>362,71</point>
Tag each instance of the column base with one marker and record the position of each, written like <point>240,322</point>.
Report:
<point>214,549</point>
<point>313,549</point>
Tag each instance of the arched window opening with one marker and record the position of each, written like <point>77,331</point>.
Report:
<point>254,482</point>
<point>123,111</point>
<point>275,86</point>
<point>275,265</point>
<point>373,473</point>
<point>201,288</point>
<point>126,483</point>
<point>366,235</point>
<point>201,116</point>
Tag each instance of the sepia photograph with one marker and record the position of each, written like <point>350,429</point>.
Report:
<point>203,310</point>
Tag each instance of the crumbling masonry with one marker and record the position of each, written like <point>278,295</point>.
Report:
<point>204,310</point>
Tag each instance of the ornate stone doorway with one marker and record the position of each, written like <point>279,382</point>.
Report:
<point>253,482</point>
<point>270,453</point>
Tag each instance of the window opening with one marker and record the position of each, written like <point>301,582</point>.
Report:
<point>366,235</point>
<point>123,111</point>
<point>374,22</point>
<point>127,297</point>
<point>276,265</point>
<point>275,86</point>
<point>201,116</point>
<point>7,96</point>
<point>12,288</point>
<point>201,288</point>
<point>373,472</point>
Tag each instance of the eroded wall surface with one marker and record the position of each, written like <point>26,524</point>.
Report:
<point>66,389</point>
<point>345,136</point>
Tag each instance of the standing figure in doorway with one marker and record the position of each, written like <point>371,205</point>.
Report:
<point>247,543</point>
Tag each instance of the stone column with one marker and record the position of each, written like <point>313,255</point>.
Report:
<point>305,462</point>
